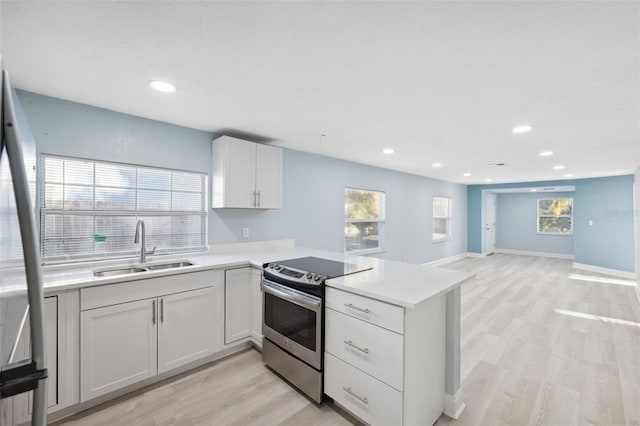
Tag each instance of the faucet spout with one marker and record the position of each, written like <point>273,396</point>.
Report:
<point>140,238</point>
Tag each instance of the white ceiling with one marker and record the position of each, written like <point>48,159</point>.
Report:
<point>437,81</point>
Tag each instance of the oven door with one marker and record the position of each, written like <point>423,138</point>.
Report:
<point>293,321</point>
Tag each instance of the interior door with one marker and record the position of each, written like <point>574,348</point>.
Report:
<point>490,224</point>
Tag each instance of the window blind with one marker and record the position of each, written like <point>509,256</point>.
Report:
<point>89,209</point>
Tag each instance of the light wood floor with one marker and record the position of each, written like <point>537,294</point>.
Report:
<point>541,344</point>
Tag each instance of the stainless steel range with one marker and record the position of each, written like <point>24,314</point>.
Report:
<point>293,322</point>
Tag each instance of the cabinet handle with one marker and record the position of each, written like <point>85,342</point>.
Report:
<point>349,305</point>
<point>353,345</point>
<point>162,310</point>
<point>352,393</point>
<point>259,199</point>
<point>255,203</point>
<point>153,312</point>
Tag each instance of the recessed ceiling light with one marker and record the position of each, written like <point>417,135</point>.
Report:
<point>162,86</point>
<point>388,151</point>
<point>467,174</point>
<point>558,167</point>
<point>522,129</point>
<point>487,180</point>
<point>568,175</point>
<point>533,190</point>
<point>546,153</point>
<point>436,165</point>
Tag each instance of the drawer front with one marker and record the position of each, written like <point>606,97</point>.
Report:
<point>362,395</point>
<point>373,311</point>
<point>372,349</point>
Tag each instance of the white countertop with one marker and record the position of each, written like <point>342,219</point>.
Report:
<point>398,283</point>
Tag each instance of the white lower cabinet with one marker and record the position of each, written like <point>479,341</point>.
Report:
<point>60,347</point>
<point>256,306</point>
<point>124,343</point>
<point>363,395</point>
<point>237,304</point>
<point>184,332</point>
<point>383,363</point>
<point>374,350</point>
<point>118,347</point>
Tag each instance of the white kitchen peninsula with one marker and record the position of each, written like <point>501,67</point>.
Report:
<point>412,312</point>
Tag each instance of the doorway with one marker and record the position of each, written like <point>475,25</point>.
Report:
<point>490,224</point>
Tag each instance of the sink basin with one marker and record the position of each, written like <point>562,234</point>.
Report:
<point>120,271</point>
<point>136,269</point>
<point>169,265</point>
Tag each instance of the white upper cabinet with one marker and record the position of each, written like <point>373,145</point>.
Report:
<point>246,174</point>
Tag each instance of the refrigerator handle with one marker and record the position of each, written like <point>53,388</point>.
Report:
<point>26,219</point>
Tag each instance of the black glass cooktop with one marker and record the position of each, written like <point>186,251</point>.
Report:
<point>326,267</point>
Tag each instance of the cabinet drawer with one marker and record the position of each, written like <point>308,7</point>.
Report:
<point>362,395</point>
<point>379,313</point>
<point>372,349</point>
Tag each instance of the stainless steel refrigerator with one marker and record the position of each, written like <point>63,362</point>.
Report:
<point>21,293</point>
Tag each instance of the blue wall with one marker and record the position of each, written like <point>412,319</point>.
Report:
<point>608,201</point>
<point>610,241</point>
<point>313,197</point>
<point>516,224</point>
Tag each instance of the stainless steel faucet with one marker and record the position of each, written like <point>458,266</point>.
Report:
<point>143,249</point>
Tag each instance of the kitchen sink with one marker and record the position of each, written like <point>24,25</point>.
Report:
<point>120,271</point>
<point>169,265</point>
<point>136,269</point>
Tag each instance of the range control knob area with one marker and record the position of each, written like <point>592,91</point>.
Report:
<point>275,266</point>
<point>309,275</point>
<point>317,277</point>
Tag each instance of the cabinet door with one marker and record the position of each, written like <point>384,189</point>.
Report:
<point>118,347</point>
<point>256,305</point>
<point>237,304</point>
<point>22,403</point>
<point>269,176</point>
<point>185,328</point>
<point>239,173</point>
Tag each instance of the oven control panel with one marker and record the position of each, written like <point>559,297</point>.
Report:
<point>295,274</point>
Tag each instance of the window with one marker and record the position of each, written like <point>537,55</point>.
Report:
<point>364,220</point>
<point>555,216</point>
<point>441,218</point>
<point>89,209</point>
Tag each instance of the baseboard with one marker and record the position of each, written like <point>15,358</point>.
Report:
<point>453,405</point>
<point>473,254</point>
<point>601,270</point>
<point>535,253</point>
<point>447,259</point>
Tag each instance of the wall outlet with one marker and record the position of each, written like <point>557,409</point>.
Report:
<point>245,232</point>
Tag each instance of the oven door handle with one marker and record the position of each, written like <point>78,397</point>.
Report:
<point>290,296</point>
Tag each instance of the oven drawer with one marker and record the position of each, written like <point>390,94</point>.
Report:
<point>362,395</point>
<point>375,312</point>
<point>372,349</point>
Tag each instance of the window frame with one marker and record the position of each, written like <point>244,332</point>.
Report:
<point>380,221</point>
<point>538,216</point>
<point>137,213</point>
<point>448,218</point>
